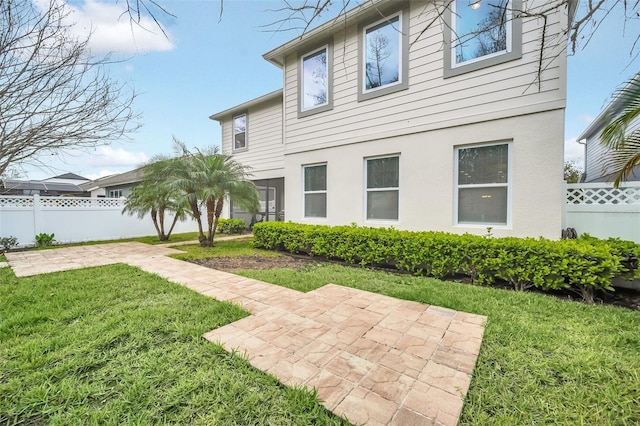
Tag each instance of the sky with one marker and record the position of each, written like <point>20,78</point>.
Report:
<point>208,62</point>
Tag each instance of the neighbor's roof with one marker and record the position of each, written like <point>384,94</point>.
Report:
<point>70,176</point>
<point>219,116</point>
<point>132,176</point>
<point>14,184</point>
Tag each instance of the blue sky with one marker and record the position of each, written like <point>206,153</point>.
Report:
<point>207,65</point>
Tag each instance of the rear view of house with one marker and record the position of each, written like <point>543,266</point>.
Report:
<point>386,120</point>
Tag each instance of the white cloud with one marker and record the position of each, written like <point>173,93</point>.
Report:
<point>573,151</point>
<point>106,156</point>
<point>112,31</point>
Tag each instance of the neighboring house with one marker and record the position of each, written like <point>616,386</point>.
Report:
<point>67,178</point>
<point>596,153</point>
<point>114,186</point>
<point>63,185</point>
<point>380,124</point>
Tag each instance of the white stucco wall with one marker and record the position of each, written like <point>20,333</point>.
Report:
<point>427,163</point>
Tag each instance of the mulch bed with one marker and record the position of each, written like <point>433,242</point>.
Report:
<point>626,298</point>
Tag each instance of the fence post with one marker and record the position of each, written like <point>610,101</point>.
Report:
<point>37,215</point>
<point>564,204</point>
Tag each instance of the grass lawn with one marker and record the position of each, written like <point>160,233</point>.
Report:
<point>114,346</point>
<point>151,239</point>
<point>231,248</point>
<point>543,360</point>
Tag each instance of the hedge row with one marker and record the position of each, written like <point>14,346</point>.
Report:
<point>586,264</point>
<point>231,226</point>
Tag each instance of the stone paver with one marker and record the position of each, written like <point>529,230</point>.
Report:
<point>374,359</point>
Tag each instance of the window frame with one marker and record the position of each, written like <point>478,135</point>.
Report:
<point>327,106</point>
<point>246,132</point>
<point>112,193</point>
<point>508,185</point>
<point>514,43</point>
<point>403,52</point>
<point>305,192</point>
<point>367,189</point>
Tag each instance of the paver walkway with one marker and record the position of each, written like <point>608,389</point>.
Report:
<point>374,359</point>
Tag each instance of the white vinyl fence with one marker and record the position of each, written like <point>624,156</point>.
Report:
<point>597,209</point>
<point>603,211</point>
<point>74,219</point>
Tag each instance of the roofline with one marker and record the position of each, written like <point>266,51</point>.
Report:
<point>219,116</point>
<point>276,56</point>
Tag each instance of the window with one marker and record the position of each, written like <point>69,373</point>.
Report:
<point>483,33</point>
<point>315,81</point>
<point>115,193</point>
<point>384,56</point>
<point>240,132</point>
<point>483,185</point>
<point>383,177</point>
<point>315,190</point>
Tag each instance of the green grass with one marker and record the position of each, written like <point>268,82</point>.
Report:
<point>543,360</point>
<point>229,248</point>
<point>114,345</point>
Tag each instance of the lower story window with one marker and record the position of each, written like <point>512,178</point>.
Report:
<point>483,184</point>
<point>382,188</point>
<point>315,190</point>
<point>115,193</point>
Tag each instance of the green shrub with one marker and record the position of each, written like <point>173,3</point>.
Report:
<point>231,226</point>
<point>7,243</point>
<point>588,264</point>
<point>44,239</point>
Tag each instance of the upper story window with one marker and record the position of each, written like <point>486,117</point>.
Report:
<point>483,184</point>
<point>240,132</point>
<point>383,65</point>
<point>382,188</point>
<point>482,33</point>
<point>314,82</point>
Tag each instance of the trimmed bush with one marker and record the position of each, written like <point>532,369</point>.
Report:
<point>231,226</point>
<point>586,264</point>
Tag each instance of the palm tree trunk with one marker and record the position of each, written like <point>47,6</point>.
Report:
<point>154,218</point>
<point>161,220</point>
<point>175,220</point>
<point>217,214</point>
<point>195,212</point>
<point>211,202</point>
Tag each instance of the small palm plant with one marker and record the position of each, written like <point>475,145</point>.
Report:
<point>156,197</point>
<point>205,179</point>
<point>620,136</point>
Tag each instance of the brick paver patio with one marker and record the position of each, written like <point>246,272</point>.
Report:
<point>374,359</point>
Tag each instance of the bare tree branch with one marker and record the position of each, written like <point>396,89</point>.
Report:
<point>53,95</point>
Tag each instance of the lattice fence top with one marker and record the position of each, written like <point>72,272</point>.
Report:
<point>61,202</point>
<point>9,201</point>
<point>578,194</point>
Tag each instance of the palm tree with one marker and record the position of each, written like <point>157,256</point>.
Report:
<point>619,135</point>
<point>153,196</point>
<point>205,179</point>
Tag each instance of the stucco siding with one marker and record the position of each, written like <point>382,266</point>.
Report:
<point>431,101</point>
<point>427,176</point>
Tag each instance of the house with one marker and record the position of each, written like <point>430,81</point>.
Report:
<point>66,185</point>
<point>385,120</point>
<point>595,153</point>
<point>114,186</point>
